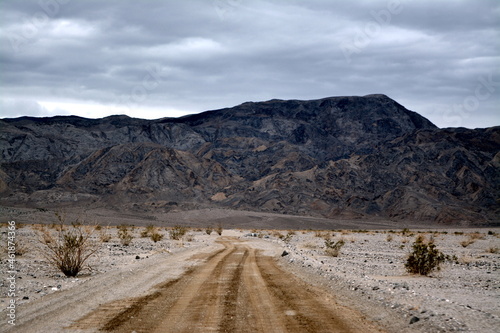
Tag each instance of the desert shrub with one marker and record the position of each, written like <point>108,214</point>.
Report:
<point>389,238</point>
<point>276,233</point>
<point>333,248</point>
<point>287,238</point>
<point>467,242</point>
<point>471,239</point>
<point>476,235</point>
<point>209,230</point>
<point>424,258</point>
<point>70,248</point>
<point>219,229</point>
<point>407,232</point>
<point>148,231</point>
<point>125,235</point>
<point>177,232</point>
<point>156,236</point>
<point>104,236</point>
<point>493,249</point>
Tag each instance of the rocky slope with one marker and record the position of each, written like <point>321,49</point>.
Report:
<point>343,157</point>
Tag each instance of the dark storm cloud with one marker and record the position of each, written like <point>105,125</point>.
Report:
<point>165,58</point>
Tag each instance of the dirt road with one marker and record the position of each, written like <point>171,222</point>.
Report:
<point>236,290</point>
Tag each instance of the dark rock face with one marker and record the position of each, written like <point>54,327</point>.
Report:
<point>337,157</point>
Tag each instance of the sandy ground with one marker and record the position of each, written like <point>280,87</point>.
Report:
<point>364,289</point>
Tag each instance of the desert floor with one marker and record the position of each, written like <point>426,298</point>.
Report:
<point>252,279</point>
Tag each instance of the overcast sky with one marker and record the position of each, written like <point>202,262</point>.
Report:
<point>154,59</point>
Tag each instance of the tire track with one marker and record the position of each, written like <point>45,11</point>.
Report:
<point>236,290</point>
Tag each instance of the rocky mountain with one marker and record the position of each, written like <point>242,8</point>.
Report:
<point>339,157</point>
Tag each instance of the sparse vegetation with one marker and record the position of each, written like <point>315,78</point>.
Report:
<point>471,239</point>
<point>148,231</point>
<point>177,232</point>
<point>70,248</point>
<point>104,236</point>
<point>333,248</point>
<point>156,236</point>
<point>288,237</point>
<point>125,235</point>
<point>219,229</point>
<point>424,258</point>
<point>493,250</point>
<point>209,230</point>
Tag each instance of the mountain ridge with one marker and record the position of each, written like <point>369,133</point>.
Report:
<point>351,156</point>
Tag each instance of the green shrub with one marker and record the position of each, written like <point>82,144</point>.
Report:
<point>424,258</point>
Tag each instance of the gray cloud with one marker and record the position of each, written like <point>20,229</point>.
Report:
<point>440,59</point>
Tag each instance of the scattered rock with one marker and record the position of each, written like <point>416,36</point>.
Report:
<point>414,319</point>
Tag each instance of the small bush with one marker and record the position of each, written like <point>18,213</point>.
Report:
<point>287,238</point>
<point>467,242</point>
<point>156,236</point>
<point>104,236</point>
<point>147,231</point>
<point>70,248</point>
<point>124,235</point>
<point>424,258</point>
<point>333,248</point>
<point>209,230</point>
<point>493,250</point>
<point>219,230</point>
<point>177,232</point>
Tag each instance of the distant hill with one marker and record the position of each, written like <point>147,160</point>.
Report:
<point>338,157</point>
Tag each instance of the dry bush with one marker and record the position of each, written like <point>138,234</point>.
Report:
<point>493,250</point>
<point>68,248</point>
<point>104,236</point>
<point>389,238</point>
<point>177,232</point>
<point>147,231</point>
<point>209,230</point>
<point>333,248</point>
<point>125,235</point>
<point>287,238</point>
<point>471,239</point>
<point>276,233</point>
<point>219,229</point>
<point>156,236</point>
<point>476,235</point>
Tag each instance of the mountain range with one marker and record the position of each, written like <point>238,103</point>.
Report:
<point>337,157</point>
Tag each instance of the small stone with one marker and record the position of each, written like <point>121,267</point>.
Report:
<point>284,253</point>
<point>414,319</point>
<point>137,257</point>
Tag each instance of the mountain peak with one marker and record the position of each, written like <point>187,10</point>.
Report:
<point>346,156</point>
